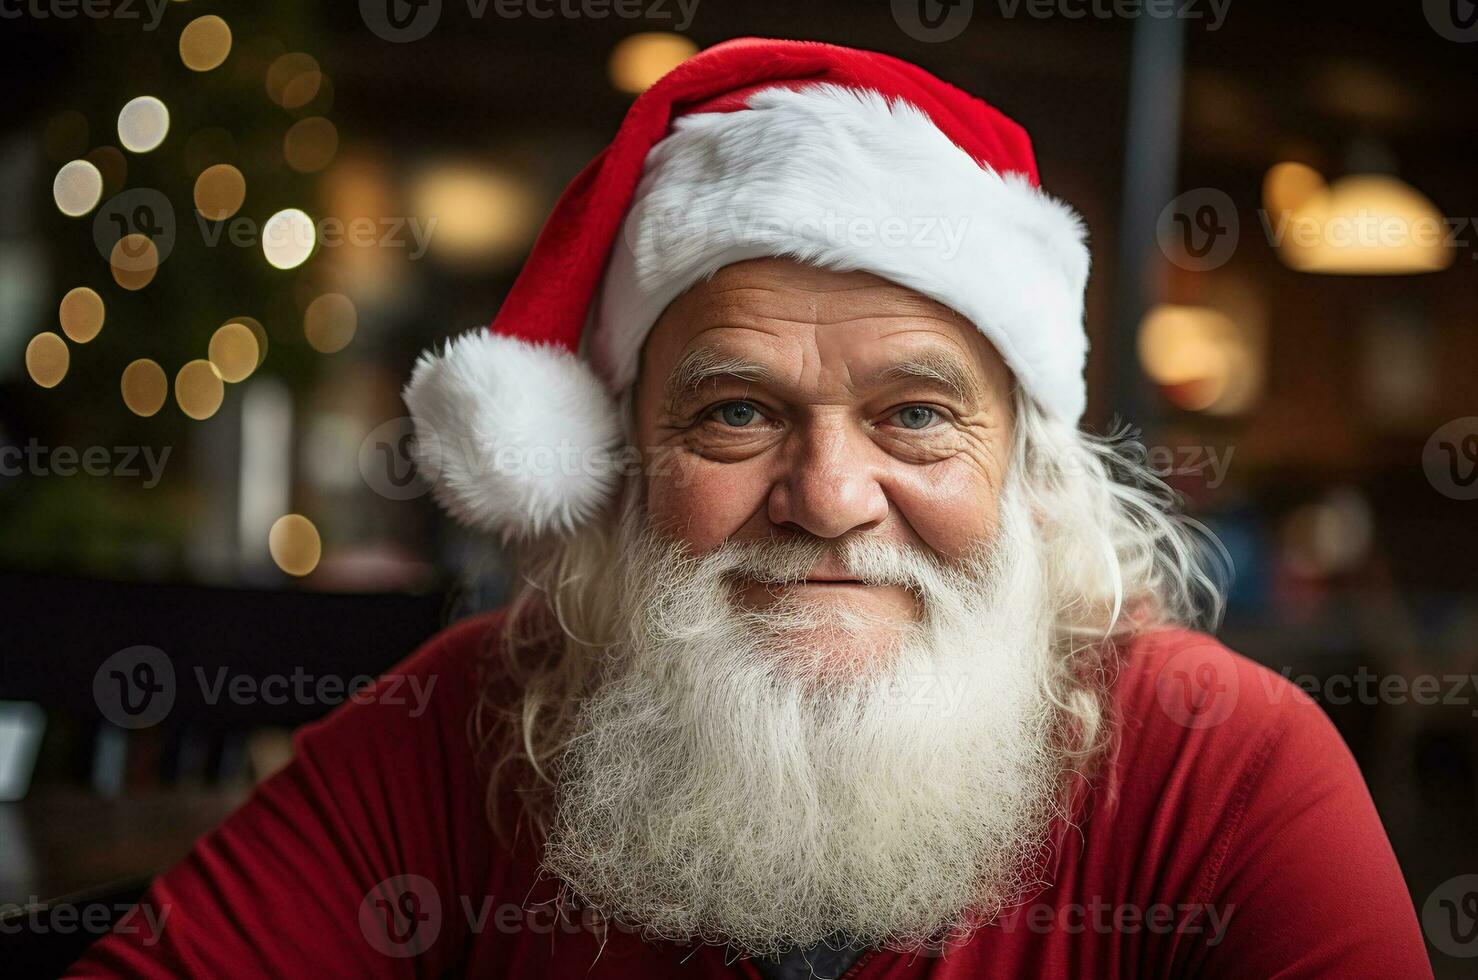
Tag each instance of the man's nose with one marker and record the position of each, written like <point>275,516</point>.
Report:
<point>829,485</point>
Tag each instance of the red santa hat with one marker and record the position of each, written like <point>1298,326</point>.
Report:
<point>847,159</point>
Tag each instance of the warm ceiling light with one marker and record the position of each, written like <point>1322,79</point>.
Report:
<point>639,60</point>
<point>475,213</point>
<point>1288,186</point>
<point>1362,225</point>
<point>1201,359</point>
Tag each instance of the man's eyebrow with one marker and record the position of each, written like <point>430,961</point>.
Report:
<point>936,366</point>
<point>706,364</point>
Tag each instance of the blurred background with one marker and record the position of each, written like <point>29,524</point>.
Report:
<point>227,228</point>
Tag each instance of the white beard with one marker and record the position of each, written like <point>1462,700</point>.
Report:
<point>732,780</point>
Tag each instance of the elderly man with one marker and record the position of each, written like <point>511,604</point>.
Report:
<point>838,648</point>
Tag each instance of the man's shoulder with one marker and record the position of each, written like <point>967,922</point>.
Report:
<point>1192,681</point>
<point>1193,714</point>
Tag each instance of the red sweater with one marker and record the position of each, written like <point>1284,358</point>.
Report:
<point>1231,837</point>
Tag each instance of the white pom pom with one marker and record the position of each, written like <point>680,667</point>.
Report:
<point>517,438</point>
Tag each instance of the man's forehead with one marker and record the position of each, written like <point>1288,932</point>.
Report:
<point>777,320</point>
<point>852,355</point>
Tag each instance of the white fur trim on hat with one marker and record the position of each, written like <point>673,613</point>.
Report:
<point>516,438</point>
<point>847,180</point>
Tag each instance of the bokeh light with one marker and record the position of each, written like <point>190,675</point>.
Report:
<point>288,239</point>
<point>329,322</point>
<point>81,314</point>
<point>310,144</point>
<point>47,359</point>
<point>134,261</point>
<point>142,124</point>
<point>293,80</point>
<point>199,390</point>
<point>219,191</point>
<point>295,544</point>
<point>233,351</point>
<point>257,331</point>
<point>77,188</point>
<point>205,42</point>
<point>639,60</point>
<point>145,387</point>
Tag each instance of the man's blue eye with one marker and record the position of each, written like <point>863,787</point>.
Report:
<point>916,417</point>
<point>737,414</point>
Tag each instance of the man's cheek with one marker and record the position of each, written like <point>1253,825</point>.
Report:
<point>952,513</point>
<point>700,502</point>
